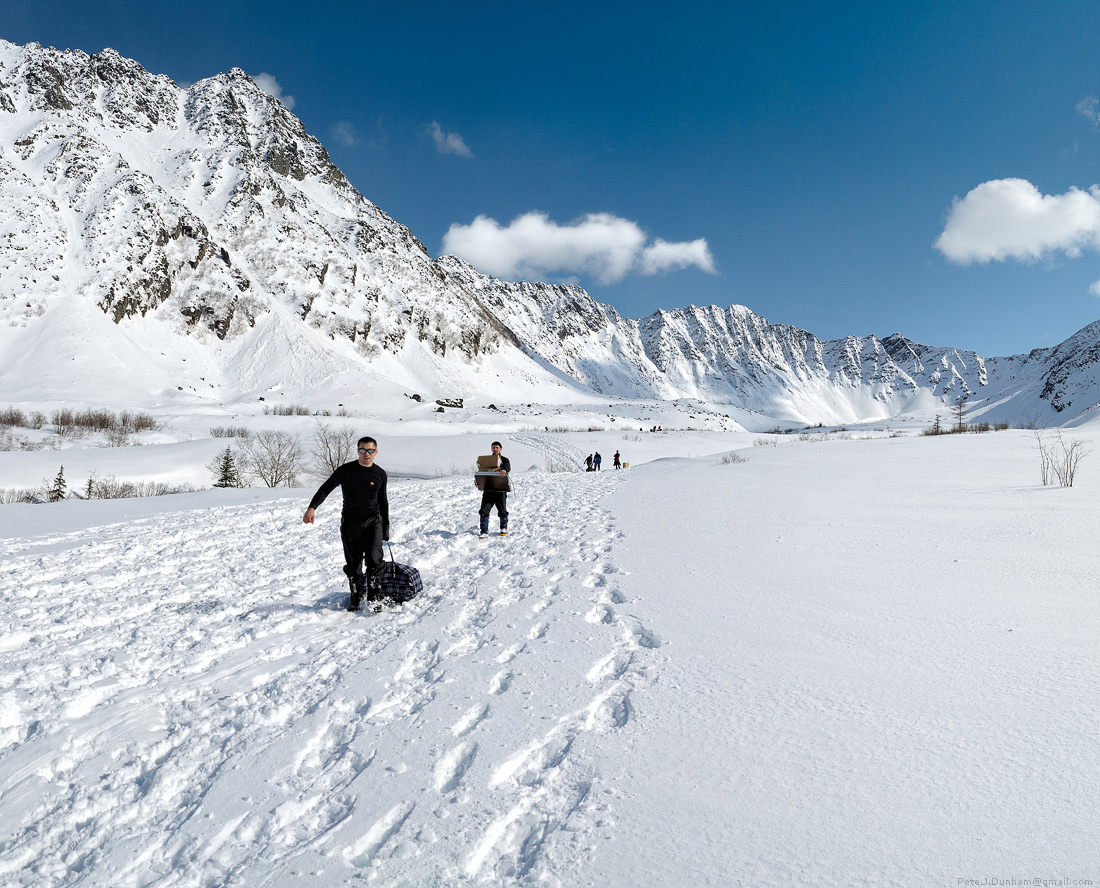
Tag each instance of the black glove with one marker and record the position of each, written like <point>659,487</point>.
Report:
<point>386,532</point>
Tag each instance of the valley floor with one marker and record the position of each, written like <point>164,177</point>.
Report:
<point>838,663</point>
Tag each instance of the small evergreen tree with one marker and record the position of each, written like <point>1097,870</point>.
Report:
<point>58,490</point>
<point>225,470</point>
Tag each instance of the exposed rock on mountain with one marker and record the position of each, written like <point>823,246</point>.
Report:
<point>207,220</point>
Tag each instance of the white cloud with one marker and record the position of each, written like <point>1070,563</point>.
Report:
<point>345,133</point>
<point>448,143</point>
<point>1094,288</point>
<point>1011,219</point>
<point>270,85</point>
<point>599,245</point>
<point>1089,108</point>
<point>663,256</point>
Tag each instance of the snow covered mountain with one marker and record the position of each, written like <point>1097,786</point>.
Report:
<point>198,243</point>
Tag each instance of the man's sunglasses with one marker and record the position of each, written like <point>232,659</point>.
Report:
<point>363,450</point>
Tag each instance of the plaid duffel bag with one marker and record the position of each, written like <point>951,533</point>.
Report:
<point>399,582</point>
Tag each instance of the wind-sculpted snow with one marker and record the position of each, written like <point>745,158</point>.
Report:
<point>185,701</point>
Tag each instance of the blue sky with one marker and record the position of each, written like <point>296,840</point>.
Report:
<point>802,159</point>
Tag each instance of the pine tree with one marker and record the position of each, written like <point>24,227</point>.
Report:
<point>225,470</point>
<point>59,489</point>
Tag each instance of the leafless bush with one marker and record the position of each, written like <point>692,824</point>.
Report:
<point>111,487</point>
<point>285,410</point>
<point>732,458</point>
<point>1058,459</point>
<point>557,464</point>
<point>332,447</point>
<point>37,419</point>
<point>274,458</point>
<point>70,422</point>
<point>455,469</point>
<point>10,441</point>
<point>117,437</point>
<point>766,441</point>
<point>1000,426</point>
<point>13,416</point>
<point>21,495</point>
<point>229,432</point>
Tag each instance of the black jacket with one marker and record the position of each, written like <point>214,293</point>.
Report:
<point>364,492</point>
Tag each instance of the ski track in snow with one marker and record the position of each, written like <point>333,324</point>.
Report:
<point>186,703</point>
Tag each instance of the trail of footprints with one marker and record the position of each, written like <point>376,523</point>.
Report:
<point>510,599</point>
<point>537,790</point>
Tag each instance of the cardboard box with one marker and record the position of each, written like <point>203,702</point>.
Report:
<point>492,481</point>
<point>488,463</point>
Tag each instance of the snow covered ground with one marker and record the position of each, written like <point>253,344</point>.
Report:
<point>843,662</point>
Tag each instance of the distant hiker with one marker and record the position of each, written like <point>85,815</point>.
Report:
<point>498,498</point>
<point>588,463</point>
<point>615,460</point>
<point>596,460</point>
<point>364,520</point>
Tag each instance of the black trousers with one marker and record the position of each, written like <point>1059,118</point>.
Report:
<point>490,498</point>
<point>362,541</point>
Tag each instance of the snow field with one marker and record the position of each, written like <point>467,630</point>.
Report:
<point>186,703</point>
<point>881,670</point>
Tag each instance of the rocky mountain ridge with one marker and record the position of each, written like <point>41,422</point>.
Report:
<point>207,221</point>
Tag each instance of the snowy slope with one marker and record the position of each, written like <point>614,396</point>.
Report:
<point>198,245</point>
<point>845,662</point>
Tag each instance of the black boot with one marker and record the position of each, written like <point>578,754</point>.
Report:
<point>374,591</point>
<point>358,586</point>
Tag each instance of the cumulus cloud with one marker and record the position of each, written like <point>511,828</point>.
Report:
<point>663,256</point>
<point>1011,219</point>
<point>599,245</point>
<point>448,143</point>
<point>270,85</point>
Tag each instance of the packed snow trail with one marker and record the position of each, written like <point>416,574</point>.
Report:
<point>187,703</point>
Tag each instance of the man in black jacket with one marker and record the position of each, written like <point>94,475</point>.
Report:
<point>364,520</point>
<point>498,498</point>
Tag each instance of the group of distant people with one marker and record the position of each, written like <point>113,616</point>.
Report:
<point>592,462</point>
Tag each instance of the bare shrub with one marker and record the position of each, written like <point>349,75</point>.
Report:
<point>229,432</point>
<point>117,437</point>
<point>557,464</point>
<point>10,495</point>
<point>111,487</point>
<point>63,421</point>
<point>273,458</point>
<point>13,416</point>
<point>766,441</point>
<point>1058,459</point>
<point>732,458</point>
<point>455,469</point>
<point>69,422</point>
<point>332,446</point>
